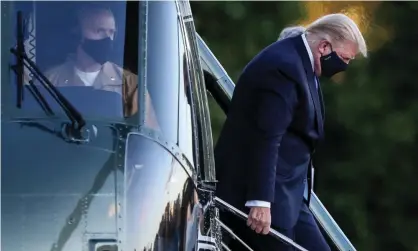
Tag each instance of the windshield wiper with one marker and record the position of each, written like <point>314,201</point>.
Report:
<point>23,60</point>
<point>20,71</point>
<point>39,98</point>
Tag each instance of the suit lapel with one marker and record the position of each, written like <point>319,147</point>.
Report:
<point>321,116</point>
<point>310,77</point>
<point>315,98</point>
<point>321,100</point>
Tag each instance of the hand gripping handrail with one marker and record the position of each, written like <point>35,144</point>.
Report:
<point>277,235</point>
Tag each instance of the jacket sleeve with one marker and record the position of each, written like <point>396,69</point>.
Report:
<point>274,104</point>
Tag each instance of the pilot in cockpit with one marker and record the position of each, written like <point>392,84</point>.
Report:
<point>89,64</point>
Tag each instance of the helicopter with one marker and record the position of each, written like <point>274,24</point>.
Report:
<point>83,168</point>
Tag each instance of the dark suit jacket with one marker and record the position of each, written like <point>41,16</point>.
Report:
<point>273,124</point>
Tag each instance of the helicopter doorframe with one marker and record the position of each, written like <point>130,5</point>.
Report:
<point>203,129</point>
<point>209,235</point>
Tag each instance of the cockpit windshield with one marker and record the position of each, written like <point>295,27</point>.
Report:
<point>91,52</point>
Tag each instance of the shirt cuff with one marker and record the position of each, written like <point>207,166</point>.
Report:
<point>257,203</point>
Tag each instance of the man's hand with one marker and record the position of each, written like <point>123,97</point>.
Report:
<point>259,219</point>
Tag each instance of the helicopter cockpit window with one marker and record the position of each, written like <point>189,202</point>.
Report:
<point>85,51</point>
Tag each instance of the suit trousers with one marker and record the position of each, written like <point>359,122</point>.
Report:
<point>306,233</point>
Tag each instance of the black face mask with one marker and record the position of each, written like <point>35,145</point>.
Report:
<point>99,50</point>
<point>332,64</point>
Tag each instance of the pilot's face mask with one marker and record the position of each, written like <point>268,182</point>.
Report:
<point>99,50</point>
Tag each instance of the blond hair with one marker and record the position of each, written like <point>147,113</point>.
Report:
<point>338,28</point>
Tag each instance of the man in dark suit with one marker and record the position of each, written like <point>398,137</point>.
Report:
<point>264,153</point>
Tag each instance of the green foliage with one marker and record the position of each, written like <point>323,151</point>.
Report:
<point>217,118</point>
<point>367,167</point>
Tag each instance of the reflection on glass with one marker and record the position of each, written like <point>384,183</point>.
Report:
<point>185,118</point>
<point>159,199</point>
<point>163,71</point>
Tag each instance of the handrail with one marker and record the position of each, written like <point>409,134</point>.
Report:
<point>233,234</point>
<point>277,235</point>
<point>225,247</point>
<point>329,225</point>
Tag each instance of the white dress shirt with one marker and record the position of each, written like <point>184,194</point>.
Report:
<point>259,203</point>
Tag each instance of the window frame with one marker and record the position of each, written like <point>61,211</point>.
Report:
<point>205,163</point>
<point>184,101</point>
